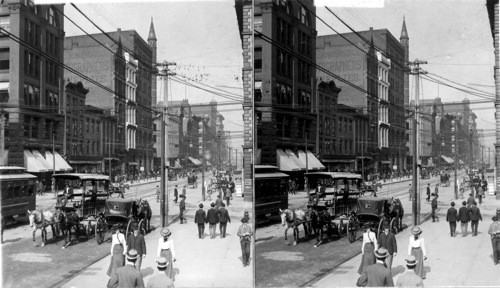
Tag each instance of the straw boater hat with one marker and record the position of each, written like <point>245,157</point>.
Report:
<point>381,253</point>
<point>162,262</point>
<point>411,261</point>
<point>132,254</point>
<point>416,230</point>
<point>165,232</point>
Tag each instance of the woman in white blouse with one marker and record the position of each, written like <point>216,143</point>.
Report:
<point>166,249</point>
<point>367,248</point>
<point>118,251</point>
<point>416,247</point>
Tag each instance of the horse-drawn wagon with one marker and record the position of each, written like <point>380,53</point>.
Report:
<point>123,213</point>
<point>374,211</point>
<point>445,180</point>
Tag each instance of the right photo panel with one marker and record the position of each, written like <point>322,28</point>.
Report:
<point>374,127</point>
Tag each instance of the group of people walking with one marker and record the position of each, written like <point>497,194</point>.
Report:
<point>378,255</point>
<point>127,256</point>
<point>469,212</point>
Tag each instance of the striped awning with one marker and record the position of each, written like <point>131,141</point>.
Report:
<point>33,164</point>
<point>447,159</point>
<point>60,166</point>
<point>295,159</point>
<point>285,163</point>
<point>194,161</point>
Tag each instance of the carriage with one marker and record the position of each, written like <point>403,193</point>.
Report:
<point>374,211</point>
<point>123,213</point>
<point>84,195</point>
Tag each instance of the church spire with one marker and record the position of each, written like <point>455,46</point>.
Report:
<point>404,33</point>
<point>152,35</point>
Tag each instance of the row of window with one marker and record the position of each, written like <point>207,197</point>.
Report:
<point>302,14</point>
<point>11,189</point>
<point>35,127</point>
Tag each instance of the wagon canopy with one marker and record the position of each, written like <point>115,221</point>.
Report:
<point>120,207</point>
<point>373,206</point>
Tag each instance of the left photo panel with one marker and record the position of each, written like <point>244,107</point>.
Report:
<point>126,144</point>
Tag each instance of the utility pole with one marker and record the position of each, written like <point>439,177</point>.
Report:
<point>482,156</point>
<point>202,123</point>
<point>471,151</point>
<point>236,159</point>
<point>416,70</point>
<point>455,149</point>
<point>164,144</point>
<point>307,158</point>
<point>489,159</point>
<point>219,134</point>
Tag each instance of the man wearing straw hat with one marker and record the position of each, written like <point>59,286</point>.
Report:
<point>410,278</point>
<point>494,231</point>
<point>245,233</point>
<point>160,279</point>
<point>127,276</point>
<point>377,275</point>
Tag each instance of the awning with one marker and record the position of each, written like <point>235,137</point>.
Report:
<point>312,162</point>
<point>32,164</point>
<point>4,157</point>
<point>194,161</point>
<point>60,162</point>
<point>4,85</point>
<point>285,163</point>
<point>447,159</point>
<point>177,164</point>
<point>42,160</point>
<point>59,166</point>
<point>295,159</point>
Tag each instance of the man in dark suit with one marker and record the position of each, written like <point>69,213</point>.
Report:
<point>212,220</point>
<point>182,209</point>
<point>127,276</point>
<point>218,202</point>
<point>475,216</point>
<point>434,206</point>
<point>377,275</point>
<point>428,192</point>
<point>223,219</point>
<point>388,241</point>
<point>451,218</point>
<point>176,194</point>
<point>464,217</point>
<point>199,218</point>
<point>470,200</point>
<point>136,242</point>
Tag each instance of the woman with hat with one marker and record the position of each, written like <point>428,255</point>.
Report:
<point>118,251</point>
<point>367,248</point>
<point>416,247</point>
<point>166,249</point>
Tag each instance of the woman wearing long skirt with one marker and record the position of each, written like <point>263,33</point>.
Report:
<point>166,249</point>
<point>118,251</point>
<point>416,247</point>
<point>367,248</point>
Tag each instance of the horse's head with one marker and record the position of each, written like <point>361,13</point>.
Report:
<point>34,217</point>
<point>286,215</point>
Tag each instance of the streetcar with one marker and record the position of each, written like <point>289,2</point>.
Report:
<point>17,191</point>
<point>270,191</point>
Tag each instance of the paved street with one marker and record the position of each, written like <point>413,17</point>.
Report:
<point>198,265</point>
<point>452,262</point>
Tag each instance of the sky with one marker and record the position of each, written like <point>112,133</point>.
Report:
<point>454,37</point>
<point>202,38</point>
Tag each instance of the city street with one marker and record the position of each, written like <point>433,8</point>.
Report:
<point>214,256</point>
<point>280,264</point>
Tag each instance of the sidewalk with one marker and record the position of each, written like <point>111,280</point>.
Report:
<point>200,262</point>
<point>451,261</point>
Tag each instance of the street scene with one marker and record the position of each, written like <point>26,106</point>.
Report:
<point>124,146</point>
<point>375,144</point>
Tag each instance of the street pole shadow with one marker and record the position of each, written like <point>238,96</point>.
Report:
<point>427,269</point>
<point>397,270</point>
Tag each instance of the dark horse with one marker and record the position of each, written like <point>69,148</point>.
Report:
<point>68,224</point>
<point>397,212</point>
<point>292,219</point>
<point>321,220</point>
<point>144,212</point>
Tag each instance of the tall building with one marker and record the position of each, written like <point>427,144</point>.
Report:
<point>32,85</point>
<point>85,55</point>
<point>152,43</point>
<point>284,85</point>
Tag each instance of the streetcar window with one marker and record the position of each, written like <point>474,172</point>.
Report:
<point>31,190</point>
<point>16,191</point>
<point>10,192</point>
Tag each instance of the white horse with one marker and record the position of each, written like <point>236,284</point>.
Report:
<point>40,220</point>
<point>293,218</point>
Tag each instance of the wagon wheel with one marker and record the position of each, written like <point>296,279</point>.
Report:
<point>142,226</point>
<point>394,225</point>
<point>129,228</point>
<point>100,230</point>
<point>380,227</point>
<point>88,231</point>
<point>352,229</point>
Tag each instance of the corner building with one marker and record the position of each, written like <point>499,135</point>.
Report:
<point>284,85</point>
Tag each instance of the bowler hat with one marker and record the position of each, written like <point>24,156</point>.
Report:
<point>495,218</point>
<point>381,253</point>
<point>132,254</point>
<point>212,204</point>
<point>162,262</point>
<point>201,205</point>
<point>165,232</point>
<point>246,212</point>
<point>244,220</point>
<point>411,261</point>
<point>416,230</point>
<point>452,203</point>
<point>464,203</point>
